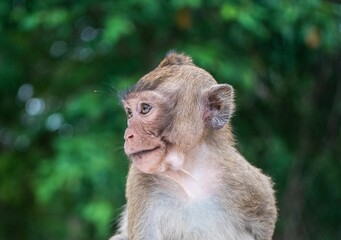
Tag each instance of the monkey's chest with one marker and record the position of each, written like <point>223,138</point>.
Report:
<point>170,219</point>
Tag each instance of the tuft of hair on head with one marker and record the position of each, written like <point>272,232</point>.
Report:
<point>174,58</point>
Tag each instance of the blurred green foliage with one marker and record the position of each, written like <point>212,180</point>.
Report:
<point>62,167</point>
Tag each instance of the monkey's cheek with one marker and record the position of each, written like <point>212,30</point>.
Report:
<point>148,162</point>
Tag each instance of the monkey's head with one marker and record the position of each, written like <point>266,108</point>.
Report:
<point>172,109</point>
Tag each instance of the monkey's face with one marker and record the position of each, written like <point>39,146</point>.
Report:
<point>170,110</point>
<point>143,137</point>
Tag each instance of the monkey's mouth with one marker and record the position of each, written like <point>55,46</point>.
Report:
<point>144,152</point>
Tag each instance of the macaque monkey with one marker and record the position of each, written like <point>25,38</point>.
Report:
<point>187,181</point>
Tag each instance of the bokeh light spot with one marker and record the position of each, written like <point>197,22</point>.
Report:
<point>25,92</point>
<point>88,34</point>
<point>58,49</point>
<point>54,121</point>
<point>35,106</point>
<point>85,54</point>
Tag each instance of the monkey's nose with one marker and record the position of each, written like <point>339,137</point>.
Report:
<point>128,135</point>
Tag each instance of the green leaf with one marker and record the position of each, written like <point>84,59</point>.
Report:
<point>229,12</point>
<point>117,26</point>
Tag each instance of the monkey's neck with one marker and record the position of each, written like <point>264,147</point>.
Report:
<point>222,139</point>
<point>193,172</point>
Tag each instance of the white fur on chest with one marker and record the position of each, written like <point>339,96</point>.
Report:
<point>194,220</point>
<point>192,210</point>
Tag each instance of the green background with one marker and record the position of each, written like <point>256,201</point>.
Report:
<point>62,166</point>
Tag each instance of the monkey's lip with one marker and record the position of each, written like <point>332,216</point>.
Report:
<point>142,152</point>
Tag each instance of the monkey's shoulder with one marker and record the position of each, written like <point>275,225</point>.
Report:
<point>249,191</point>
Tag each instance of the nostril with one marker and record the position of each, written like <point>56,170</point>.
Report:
<point>129,134</point>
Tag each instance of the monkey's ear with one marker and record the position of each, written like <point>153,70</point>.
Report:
<point>218,105</point>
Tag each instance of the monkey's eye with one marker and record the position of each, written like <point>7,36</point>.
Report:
<point>145,108</point>
<point>129,113</point>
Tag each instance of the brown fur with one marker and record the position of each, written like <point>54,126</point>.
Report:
<point>187,180</point>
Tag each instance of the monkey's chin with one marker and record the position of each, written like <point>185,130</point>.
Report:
<point>148,161</point>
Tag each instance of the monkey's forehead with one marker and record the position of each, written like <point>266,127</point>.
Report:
<point>135,90</point>
<point>170,79</point>
<point>142,95</point>
<point>149,82</point>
